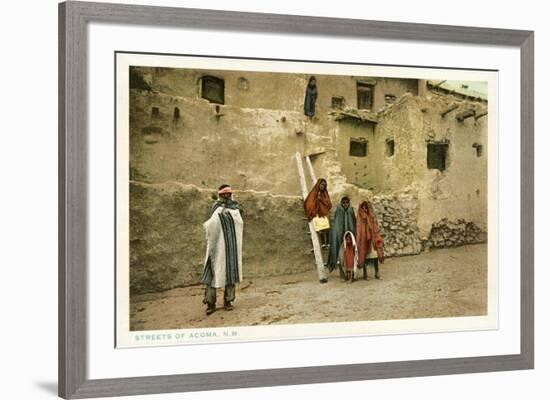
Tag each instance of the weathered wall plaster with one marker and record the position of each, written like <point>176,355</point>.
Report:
<point>250,142</point>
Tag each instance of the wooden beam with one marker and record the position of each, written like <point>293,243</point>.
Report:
<point>358,116</point>
<point>482,114</point>
<point>465,114</point>
<point>310,170</point>
<point>314,238</point>
<point>448,110</point>
<point>436,85</point>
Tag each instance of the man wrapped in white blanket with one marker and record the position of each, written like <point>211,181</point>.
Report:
<point>223,262</point>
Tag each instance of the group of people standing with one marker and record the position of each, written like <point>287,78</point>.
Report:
<point>353,238</point>
<point>353,241</point>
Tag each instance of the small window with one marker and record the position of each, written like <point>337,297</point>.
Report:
<point>243,83</point>
<point>155,112</point>
<point>358,147</point>
<point>337,102</point>
<point>176,113</point>
<point>390,98</point>
<point>390,148</point>
<point>212,89</point>
<point>364,96</point>
<point>479,149</point>
<point>437,156</point>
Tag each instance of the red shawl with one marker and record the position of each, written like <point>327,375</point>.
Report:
<point>368,234</point>
<point>317,202</point>
<point>349,255</point>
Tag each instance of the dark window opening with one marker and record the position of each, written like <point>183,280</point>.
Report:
<point>437,156</point>
<point>337,102</point>
<point>358,147</point>
<point>479,149</point>
<point>155,112</point>
<point>243,83</point>
<point>364,96</point>
<point>176,113</point>
<point>390,98</point>
<point>212,89</point>
<point>390,148</point>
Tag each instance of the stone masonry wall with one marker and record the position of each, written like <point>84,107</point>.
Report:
<point>397,216</point>
<point>397,223</point>
<point>446,233</point>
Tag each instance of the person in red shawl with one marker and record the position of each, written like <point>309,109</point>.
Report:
<point>369,240</point>
<point>317,203</point>
<point>348,256</point>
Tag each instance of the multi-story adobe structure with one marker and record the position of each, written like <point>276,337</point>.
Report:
<point>416,148</point>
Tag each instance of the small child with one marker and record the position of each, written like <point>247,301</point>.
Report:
<point>348,257</point>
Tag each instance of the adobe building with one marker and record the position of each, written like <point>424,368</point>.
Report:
<point>415,148</point>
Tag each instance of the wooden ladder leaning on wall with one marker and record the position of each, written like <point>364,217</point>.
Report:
<point>314,238</point>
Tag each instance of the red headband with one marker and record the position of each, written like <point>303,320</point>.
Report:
<point>225,190</point>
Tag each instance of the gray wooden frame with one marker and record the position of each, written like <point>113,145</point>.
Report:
<point>73,172</point>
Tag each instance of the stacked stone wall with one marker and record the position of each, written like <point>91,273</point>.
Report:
<point>446,233</point>
<point>397,223</point>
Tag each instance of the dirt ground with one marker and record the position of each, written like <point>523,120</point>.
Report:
<point>438,283</point>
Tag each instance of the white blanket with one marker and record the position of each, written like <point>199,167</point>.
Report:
<point>215,245</point>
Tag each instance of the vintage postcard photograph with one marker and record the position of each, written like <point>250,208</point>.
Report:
<point>272,200</point>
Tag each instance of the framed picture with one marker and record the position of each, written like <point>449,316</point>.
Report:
<point>257,185</point>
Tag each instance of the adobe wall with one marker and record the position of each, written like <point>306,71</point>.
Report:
<point>248,148</point>
<point>359,171</point>
<point>274,91</point>
<point>176,163</point>
<point>457,193</point>
<point>167,238</point>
